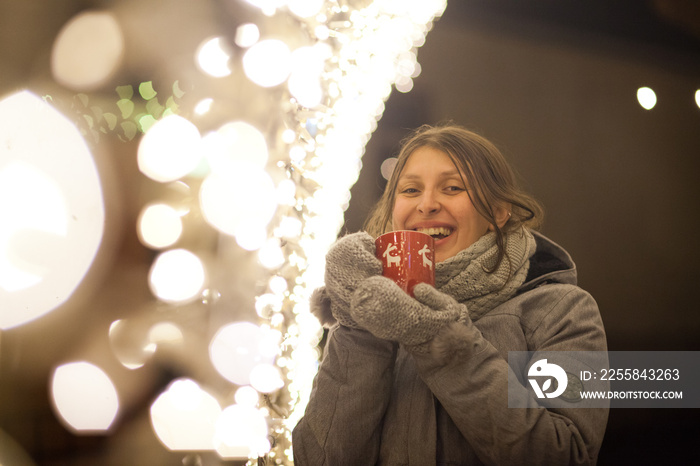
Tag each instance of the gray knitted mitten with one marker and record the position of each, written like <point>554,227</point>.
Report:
<point>384,309</point>
<point>349,261</point>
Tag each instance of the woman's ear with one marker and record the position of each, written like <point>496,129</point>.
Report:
<point>502,215</point>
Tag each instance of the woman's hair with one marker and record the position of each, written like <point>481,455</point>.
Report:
<point>490,178</point>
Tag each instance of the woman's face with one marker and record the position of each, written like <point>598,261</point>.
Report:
<point>431,198</point>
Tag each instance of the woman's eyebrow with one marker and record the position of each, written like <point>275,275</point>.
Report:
<point>445,174</point>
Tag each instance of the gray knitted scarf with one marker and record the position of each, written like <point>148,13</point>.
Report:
<point>464,276</point>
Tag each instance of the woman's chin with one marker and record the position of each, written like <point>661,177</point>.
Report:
<point>443,249</point>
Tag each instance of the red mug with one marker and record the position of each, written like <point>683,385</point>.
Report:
<point>407,258</point>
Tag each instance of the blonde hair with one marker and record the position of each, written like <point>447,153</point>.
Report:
<point>488,174</point>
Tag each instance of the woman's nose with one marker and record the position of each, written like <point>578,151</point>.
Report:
<point>428,203</point>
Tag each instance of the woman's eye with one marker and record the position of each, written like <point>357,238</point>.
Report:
<point>408,191</point>
<point>455,188</point>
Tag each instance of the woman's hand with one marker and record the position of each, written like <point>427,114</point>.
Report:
<point>348,262</point>
<point>381,307</point>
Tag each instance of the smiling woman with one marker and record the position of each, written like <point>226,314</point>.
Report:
<point>464,165</point>
<point>432,197</point>
<point>426,379</point>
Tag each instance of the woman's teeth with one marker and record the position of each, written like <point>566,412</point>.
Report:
<point>437,233</point>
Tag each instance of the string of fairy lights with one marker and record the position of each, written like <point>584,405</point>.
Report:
<point>277,192</point>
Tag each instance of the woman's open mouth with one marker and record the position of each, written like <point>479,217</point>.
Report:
<point>437,233</point>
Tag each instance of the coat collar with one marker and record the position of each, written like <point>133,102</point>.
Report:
<point>550,264</point>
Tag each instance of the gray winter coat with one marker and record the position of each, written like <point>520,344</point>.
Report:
<point>374,402</point>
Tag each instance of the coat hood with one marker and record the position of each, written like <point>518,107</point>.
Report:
<point>550,264</point>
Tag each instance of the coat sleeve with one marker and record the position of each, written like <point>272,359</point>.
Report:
<point>343,421</point>
<point>473,387</point>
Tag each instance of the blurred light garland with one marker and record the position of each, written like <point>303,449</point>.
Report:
<point>334,95</point>
<point>281,193</point>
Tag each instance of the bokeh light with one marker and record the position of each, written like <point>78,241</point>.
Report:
<point>236,141</point>
<point>165,333</point>
<point>243,197</point>
<point>307,69</point>
<point>177,276</point>
<point>84,397</point>
<point>236,349</point>
<point>203,106</point>
<point>213,57</point>
<point>184,416</point>
<point>268,7</point>
<point>128,340</point>
<point>305,8</point>
<point>266,378</point>
<point>247,396</point>
<point>646,97</point>
<point>88,51</point>
<point>170,149</point>
<point>268,62</point>
<point>51,208</point>
<point>286,193</point>
<point>274,178</point>
<point>247,35</point>
<point>250,236</point>
<point>271,254</point>
<point>697,98</point>
<point>159,226</point>
<point>387,167</point>
<point>241,432</point>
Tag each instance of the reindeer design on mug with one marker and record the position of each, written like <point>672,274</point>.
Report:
<point>391,260</point>
<point>395,260</point>
<point>424,254</point>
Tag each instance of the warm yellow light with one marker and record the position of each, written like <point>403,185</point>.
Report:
<point>305,8</point>
<point>213,57</point>
<point>37,204</point>
<point>251,236</point>
<point>697,98</point>
<point>84,396</point>
<point>234,142</point>
<point>268,304</point>
<point>247,35</point>
<point>267,63</point>
<point>129,343</point>
<point>177,276</point>
<point>247,396</point>
<point>165,333</point>
<point>51,209</point>
<point>159,226</point>
<point>646,97</point>
<point>404,84</point>
<point>307,69</point>
<point>237,200</point>
<point>387,167</point>
<point>288,136</point>
<point>266,378</point>
<point>290,209</point>
<point>270,254</point>
<point>286,193</point>
<point>241,432</point>
<point>290,227</point>
<point>236,349</point>
<point>170,149</point>
<point>87,51</point>
<point>203,106</point>
<point>268,7</point>
<point>184,417</point>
